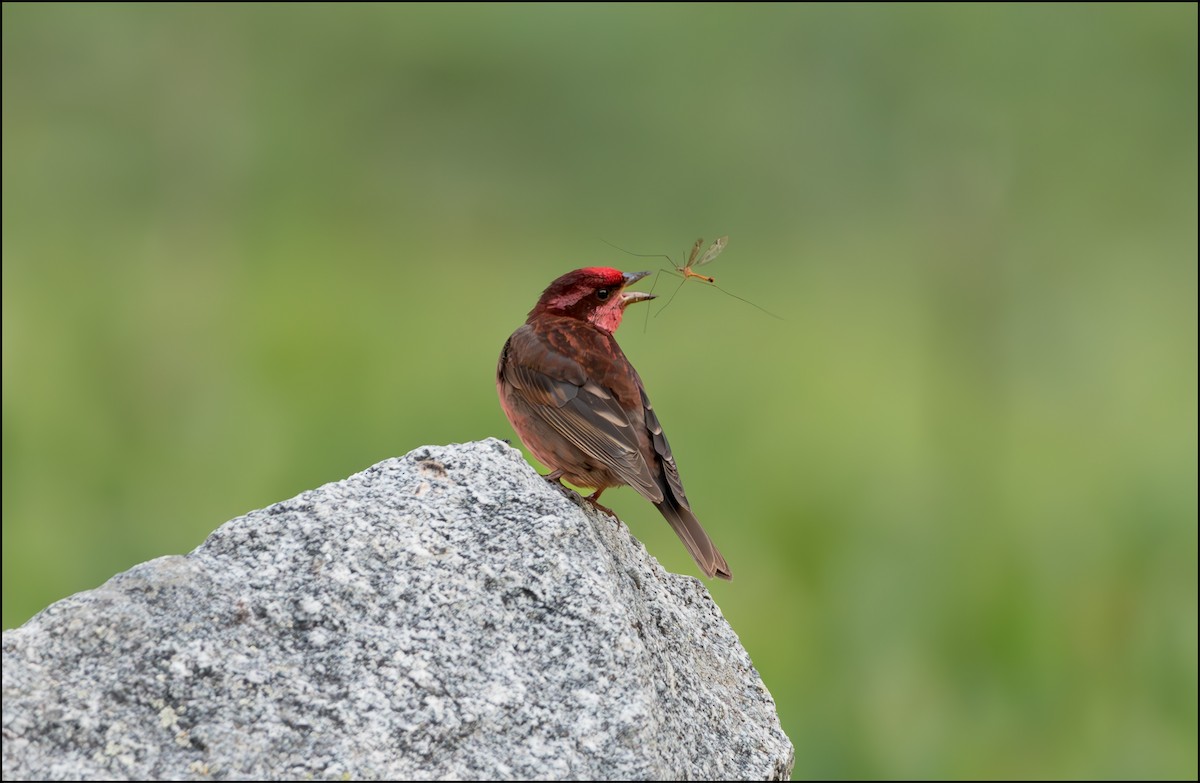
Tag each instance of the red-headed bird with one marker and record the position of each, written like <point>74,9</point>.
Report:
<point>580,407</point>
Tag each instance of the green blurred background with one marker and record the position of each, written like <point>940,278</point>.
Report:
<point>250,250</point>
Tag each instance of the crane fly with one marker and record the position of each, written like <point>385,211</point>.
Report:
<point>688,271</point>
<point>713,251</point>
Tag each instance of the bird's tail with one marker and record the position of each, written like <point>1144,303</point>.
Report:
<point>693,536</point>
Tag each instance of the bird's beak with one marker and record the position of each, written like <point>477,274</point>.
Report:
<point>629,297</point>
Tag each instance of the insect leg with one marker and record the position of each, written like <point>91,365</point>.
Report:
<point>672,299</point>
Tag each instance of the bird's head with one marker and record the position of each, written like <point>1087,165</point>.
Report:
<point>595,294</point>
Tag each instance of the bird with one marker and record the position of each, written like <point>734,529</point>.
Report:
<point>581,408</point>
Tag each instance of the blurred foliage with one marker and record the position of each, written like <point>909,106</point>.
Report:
<point>252,249</point>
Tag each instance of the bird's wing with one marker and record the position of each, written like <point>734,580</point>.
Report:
<point>663,449</point>
<point>586,413</point>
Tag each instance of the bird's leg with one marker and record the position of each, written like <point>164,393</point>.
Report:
<point>554,478</point>
<point>594,499</point>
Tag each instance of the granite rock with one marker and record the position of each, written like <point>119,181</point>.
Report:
<point>447,614</point>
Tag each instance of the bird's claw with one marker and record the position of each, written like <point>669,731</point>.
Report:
<point>555,480</point>
<point>604,509</point>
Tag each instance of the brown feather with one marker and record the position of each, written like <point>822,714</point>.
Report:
<point>581,408</point>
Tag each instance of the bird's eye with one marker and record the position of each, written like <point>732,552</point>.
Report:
<point>602,294</point>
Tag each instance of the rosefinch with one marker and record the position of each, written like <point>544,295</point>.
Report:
<point>580,407</point>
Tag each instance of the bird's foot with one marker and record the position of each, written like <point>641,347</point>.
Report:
<point>594,499</point>
<point>555,480</point>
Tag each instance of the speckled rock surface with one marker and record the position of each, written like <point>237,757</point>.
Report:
<point>442,615</point>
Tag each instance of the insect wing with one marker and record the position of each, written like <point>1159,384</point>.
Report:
<point>713,251</point>
<point>692,255</point>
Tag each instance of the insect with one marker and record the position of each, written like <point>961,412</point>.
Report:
<point>713,251</point>
<point>688,271</point>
